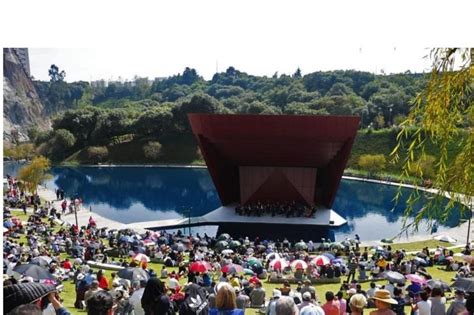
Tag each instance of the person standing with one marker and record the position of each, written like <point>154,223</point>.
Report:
<point>154,299</point>
<point>422,307</point>
<point>458,306</point>
<point>438,302</point>
<point>331,307</point>
<point>357,302</point>
<point>352,267</point>
<point>136,298</point>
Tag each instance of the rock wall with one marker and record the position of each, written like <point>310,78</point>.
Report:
<point>22,107</point>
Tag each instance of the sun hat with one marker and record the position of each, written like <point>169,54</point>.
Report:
<point>384,296</point>
<point>358,301</point>
<point>352,291</point>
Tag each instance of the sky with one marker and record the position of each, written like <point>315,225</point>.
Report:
<point>114,63</point>
<point>108,39</point>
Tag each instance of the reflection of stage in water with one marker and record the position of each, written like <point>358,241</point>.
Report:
<point>230,222</point>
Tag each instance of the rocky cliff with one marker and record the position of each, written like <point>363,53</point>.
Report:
<point>22,107</point>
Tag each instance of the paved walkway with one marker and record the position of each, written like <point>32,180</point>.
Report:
<point>83,214</point>
<point>459,232</point>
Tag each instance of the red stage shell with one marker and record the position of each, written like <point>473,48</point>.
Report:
<point>235,145</point>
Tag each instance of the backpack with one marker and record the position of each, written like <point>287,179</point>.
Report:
<point>195,302</point>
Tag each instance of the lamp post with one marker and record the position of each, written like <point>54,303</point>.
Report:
<point>469,224</point>
<point>75,212</point>
<point>187,213</point>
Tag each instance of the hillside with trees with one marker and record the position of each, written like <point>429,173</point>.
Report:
<point>144,121</point>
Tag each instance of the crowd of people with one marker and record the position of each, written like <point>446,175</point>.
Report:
<point>279,208</point>
<point>212,275</point>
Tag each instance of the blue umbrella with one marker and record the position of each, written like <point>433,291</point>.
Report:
<point>126,238</point>
<point>329,255</point>
<point>338,261</point>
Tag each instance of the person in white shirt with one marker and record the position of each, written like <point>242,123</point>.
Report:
<point>423,307</point>
<point>307,307</point>
<point>389,287</point>
<point>370,294</point>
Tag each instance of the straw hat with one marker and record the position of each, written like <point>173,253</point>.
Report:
<point>384,296</point>
<point>358,301</point>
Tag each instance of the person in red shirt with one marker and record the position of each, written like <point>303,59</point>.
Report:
<point>254,279</point>
<point>67,264</point>
<point>331,307</point>
<point>103,282</point>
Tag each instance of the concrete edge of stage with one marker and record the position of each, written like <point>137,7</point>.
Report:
<point>323,217</point>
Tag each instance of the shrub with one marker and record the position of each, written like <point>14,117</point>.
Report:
<point>424,167</point>
<point>97,154</point>
<point>372,163</point>
<point>152,150</point>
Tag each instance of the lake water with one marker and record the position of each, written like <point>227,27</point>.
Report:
<point>136,194</point>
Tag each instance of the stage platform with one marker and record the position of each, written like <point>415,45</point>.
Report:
<point>227,216</point>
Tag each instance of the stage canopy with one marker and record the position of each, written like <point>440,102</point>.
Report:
<point>275,157</point>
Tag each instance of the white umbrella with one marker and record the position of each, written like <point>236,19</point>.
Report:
<point>445,238</point>
<point>141,257</point>
<point>227,251</point>
<point>272,256</point>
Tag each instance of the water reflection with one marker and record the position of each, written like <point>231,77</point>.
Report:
<point>134,194</point>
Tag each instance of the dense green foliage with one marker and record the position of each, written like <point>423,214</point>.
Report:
<point>101,114</point>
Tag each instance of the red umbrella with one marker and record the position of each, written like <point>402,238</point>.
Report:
<point>299,264</point>
<point>200,266</point>
<point>232,268</point>
<point>278,264</point>
<point>321,260</point>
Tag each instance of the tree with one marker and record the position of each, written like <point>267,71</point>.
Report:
<point>55,75</point>
<point>81,123</point>
<point>444,112</point>
<point>373,164</point>
<point>199,103</point>
<point>34,173</point>
<point>155,121</point>
<point>297,74</point>
<point>189,76</point>
<point>59,144</point>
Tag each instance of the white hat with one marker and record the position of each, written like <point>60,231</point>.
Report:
<point>276,293</point>
<point>352,291</point>
<point>307,295</point>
